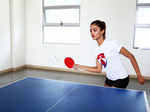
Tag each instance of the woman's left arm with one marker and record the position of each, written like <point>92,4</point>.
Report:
<point>133,61</point>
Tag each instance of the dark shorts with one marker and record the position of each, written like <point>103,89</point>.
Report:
<point>120,83</point>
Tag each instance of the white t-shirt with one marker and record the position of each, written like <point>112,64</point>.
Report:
<point>111,60</point>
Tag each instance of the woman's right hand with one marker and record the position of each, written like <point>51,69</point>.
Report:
<point>76,67</point>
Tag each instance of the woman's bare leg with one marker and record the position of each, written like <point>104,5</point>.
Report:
<point>105,85</point>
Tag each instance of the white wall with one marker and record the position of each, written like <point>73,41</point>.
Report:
<point>119,16</point>
<point>12,41</point>
<point>5,54</point>
<point>17,32</point>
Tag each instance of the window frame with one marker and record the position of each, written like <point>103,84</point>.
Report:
<point>140,5</point>
<point>44,24</point>
<point>60,7</point>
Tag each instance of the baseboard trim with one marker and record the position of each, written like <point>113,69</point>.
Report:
<point>12,69</point>
<point>6,71</point>
<point>73,71</point>
<point>37,67</point>
<point>18,68</point>
<point>134,76</point>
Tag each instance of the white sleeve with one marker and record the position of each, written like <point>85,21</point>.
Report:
<point>117,46</point>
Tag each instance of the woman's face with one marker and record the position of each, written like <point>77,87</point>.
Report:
<point>96,32</point>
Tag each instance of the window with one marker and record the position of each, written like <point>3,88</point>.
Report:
<point>142,27</point>
<point>61,21</point>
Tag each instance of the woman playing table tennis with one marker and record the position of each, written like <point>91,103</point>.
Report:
<point>108,58</point>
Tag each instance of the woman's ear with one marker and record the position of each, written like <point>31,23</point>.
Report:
<point>102,31</point>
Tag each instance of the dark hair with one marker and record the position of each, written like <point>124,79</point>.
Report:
<point>101,25</point>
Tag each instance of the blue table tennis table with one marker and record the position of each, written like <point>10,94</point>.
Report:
<point>44,95</point>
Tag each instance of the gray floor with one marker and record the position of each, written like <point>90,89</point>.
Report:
<point>65,76</point>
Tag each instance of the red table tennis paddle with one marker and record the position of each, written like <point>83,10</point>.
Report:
<point>69,62</point>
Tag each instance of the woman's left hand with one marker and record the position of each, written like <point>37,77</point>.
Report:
<point>140,79</point>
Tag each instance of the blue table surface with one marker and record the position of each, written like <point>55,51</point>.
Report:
<point>42,95</point>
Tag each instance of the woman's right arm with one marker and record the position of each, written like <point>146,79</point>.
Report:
<point>97,68</point>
